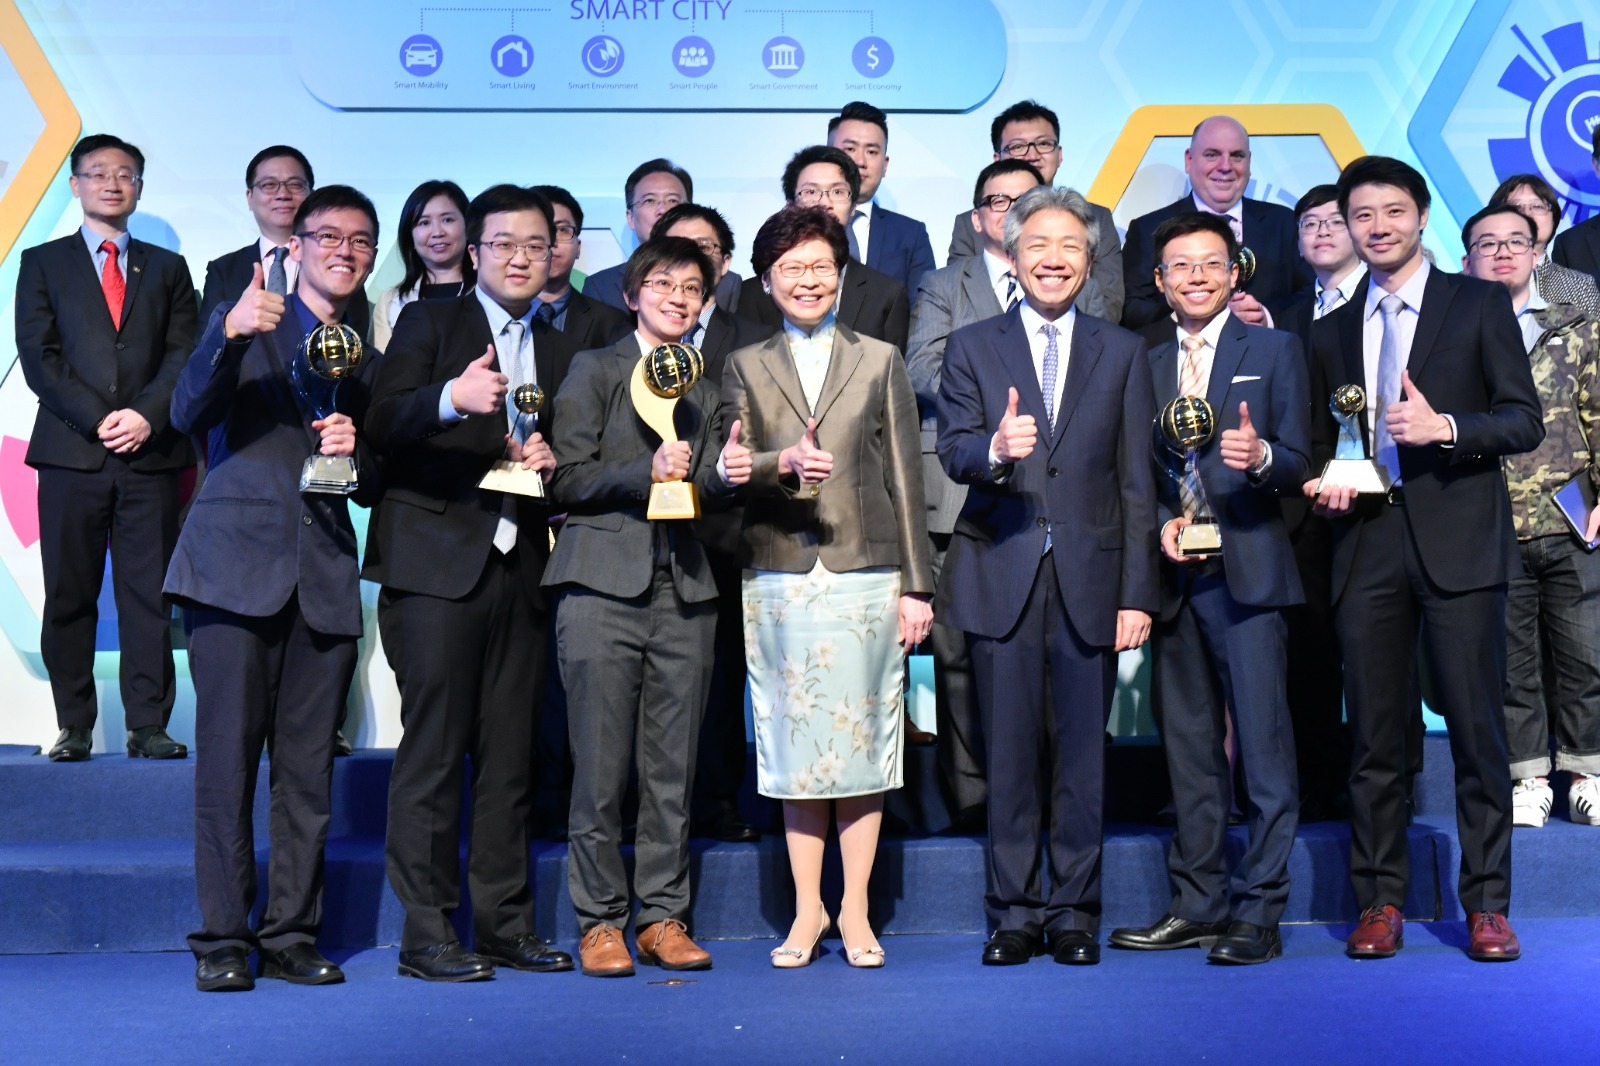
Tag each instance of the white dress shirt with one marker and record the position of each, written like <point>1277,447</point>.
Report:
<point>860,228</point>
<point>998,269</point>
<point>811,352</point>
<point>1528,321</point>
<point>1343,289</point>
<point>1210,335</point>
<point>1033,328</point>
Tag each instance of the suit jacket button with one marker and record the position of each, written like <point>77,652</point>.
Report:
<point>1042,522</point>
<point>113,388</point>
<point>306,519</point>
<point>1053,471</point>
<point>121,347</point>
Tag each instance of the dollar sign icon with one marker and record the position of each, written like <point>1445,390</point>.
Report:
<point>872,57</point>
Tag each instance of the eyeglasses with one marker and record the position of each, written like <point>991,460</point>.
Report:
<point>271,186</point>
<point>504,251</point>
<point>1489,247</point>
<point>109,177</point>
<point>998,202</point>
<point>1334,224</point>
<point>811,195</point>
<point>824,268</point>
<point>653,201</point>
<point>707,245</point>
<point>1530,207</point>
<point>1214,268</point>
<point>692,290</point>
<point>566,233</point>
<point>331,241</point>
<point>1021,149</point>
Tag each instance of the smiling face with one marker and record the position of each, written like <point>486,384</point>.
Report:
<point>666,316</point>
<point>1325,240</point>
<point>868,146</point>
<point>990,222</point>
<point>512,283</point>
<point>334,274</point>
<point>1386,228</point>
<point>805,300</point>
<point>1018,138</point>
<point>1514,270</point>
<point>1196,277</point>
<point>108,183</point>
<point>1218,162</point>
<point>274,210</point>
<point>440,236</point>
<point>1052,260</point>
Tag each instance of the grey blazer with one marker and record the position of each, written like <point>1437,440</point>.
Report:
<point>1102,294</point>
<point>870,512</point>
<point>602,479</point>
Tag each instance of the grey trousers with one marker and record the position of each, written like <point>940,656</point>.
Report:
<point>636,673</point>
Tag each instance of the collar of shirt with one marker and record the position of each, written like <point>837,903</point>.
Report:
<point>558,306</point>
<point>1211,332</point>
<point>1031,322</point>
<point>823,333</point>
<point>998,269</point>
<point>291,269</point>
<point>1528,319</point>
<point>1345,286</point>
<point>1236,212</point>
<point>499,316</point>
<point>94,240</point>
<point>704,319</point>
<point>1410,292</point>
<point>304,315</point>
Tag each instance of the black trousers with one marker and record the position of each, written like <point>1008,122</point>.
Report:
<point>724,748</point>
<point>274,683</point>
<point>960,750</point>
<point>79,512</point>
<point>1386,604</point>
<point>1045,696</point>
<point>471,676</point>
<point>1316,669</point>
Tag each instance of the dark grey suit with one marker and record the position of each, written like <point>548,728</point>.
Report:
<point>634,628</point>
<point>1102,294</point>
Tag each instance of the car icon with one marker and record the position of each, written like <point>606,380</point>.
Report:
<point>421,55</point>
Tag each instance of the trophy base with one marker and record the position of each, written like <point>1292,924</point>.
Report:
<point>506,476</point>
<point>673,499</point>
<point>1201,537</point>
<point>1363,475</point>
<point>333,475</point>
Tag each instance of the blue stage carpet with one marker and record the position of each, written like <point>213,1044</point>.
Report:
<point>933,1003</point>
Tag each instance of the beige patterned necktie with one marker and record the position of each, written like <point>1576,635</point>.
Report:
<point>1190,384</point>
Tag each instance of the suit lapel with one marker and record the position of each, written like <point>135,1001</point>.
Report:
<point>1016,354</point>
<point>284,346</point>
<point>876,229</point>
<point>138,258</point>
<point>1231,346</point>
<point>83,259</point>
<point>1084,354</point>
<point>1437,295</point>
<point>842,363</point>
<point>975,283</point>
<point>854,292</point>
<point>1164,372</point>
<point>780,367</point>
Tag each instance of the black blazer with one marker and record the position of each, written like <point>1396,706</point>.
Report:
<point>434,528</point>
<point>1268,232</point>
<point>873,304</point>
<point>81,367</point>
<point>1467,358</point>
<point>227,275</point>
<point>726,333</point>
<point>592,324</point>
<point>1579,247</point>
<point>1296,318</point>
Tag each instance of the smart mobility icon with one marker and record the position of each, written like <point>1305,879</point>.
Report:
<point>783,57</point>
<point>873,57</point>
<point>693,56</point>
<point>602,55</point>
<point>421,54</point>
<point>511,55</point>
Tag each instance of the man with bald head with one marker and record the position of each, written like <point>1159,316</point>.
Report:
<point>1218,164</point>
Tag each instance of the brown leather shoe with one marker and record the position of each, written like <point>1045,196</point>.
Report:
<point>667,945</point>
<point>601,953</point>
<point>1492,938</point>
<point>1379,934</point>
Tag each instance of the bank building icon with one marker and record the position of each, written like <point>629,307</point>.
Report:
<point>784,56</point>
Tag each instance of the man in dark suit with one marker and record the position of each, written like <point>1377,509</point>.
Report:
<point>587,322</point>
<point>624,581</point>
<point>1218,164</point>
<point>1579,247</point>
<point>1030,132</point>
<point>104,323</point>
<point>870,302</point>
<point>276,181</point>
<point>461,614</point>
<point>1052,567</point>
<point>1449,392</point>
<point>887,241</point>
<point>1220,640</point>
<point>968,290</point>
<point>272,654</point>
<point>724,749</point>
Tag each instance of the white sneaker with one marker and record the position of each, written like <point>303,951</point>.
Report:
<point>1531,799</point>
<point>1584,800</point>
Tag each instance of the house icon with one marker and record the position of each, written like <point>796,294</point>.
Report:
<point>502,55</point>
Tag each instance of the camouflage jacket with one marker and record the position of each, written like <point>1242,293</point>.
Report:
<point>1566,373</point>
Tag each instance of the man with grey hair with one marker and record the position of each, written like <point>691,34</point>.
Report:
<point>1044,414</point>
<point>1217,162</point>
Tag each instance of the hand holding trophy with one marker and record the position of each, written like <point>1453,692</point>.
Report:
<point>511,475</point>
<point>329,354</point>
<point>664,376</point>
<point>1350,468</point>
<point>1187,425</point>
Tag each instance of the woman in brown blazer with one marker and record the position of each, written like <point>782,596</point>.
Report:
<point>837,582</point>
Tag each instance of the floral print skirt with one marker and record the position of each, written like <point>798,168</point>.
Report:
<point>827,680</point>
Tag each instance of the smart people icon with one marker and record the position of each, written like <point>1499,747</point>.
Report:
<point>693,57</point>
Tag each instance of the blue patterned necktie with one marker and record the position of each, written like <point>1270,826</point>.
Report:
<point>511,365</point>
<point>1388,384</point>
<point>1052,361</point>
<point>1013,297</point>
<point>278,275</point>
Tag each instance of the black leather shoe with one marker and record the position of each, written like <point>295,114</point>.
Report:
<point>1011,947</point>
<point>300,964</point>
<point>522,952</point>
<point>1246,944</point>
<point>224,970</point>
<point>445,962</point>
<point>72,745</point>
<point>728,827</point>
<point>1074,947</point>
<point>1170,932</point>
<point>152,742</point>
<point>341,744</point>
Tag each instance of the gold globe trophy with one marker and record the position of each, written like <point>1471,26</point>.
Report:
<point>663,377</point>
<point>330,353</point>
<point>505,475</point>
<point>1246,262</point>
<point>1187,425</point>
<point>1350,467</point>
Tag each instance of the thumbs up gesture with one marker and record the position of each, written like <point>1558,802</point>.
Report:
<point>1017,435</point>
<point>805,460</point>
<point>1242,448</point>
<point>480,389</point>
<point>257,311</point>
<point>1412,419</point>
<point>736,463</point>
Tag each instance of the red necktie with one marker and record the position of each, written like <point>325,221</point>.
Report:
<point>112,281</point>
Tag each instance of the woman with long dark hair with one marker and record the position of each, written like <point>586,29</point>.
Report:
<point>433,246</point>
